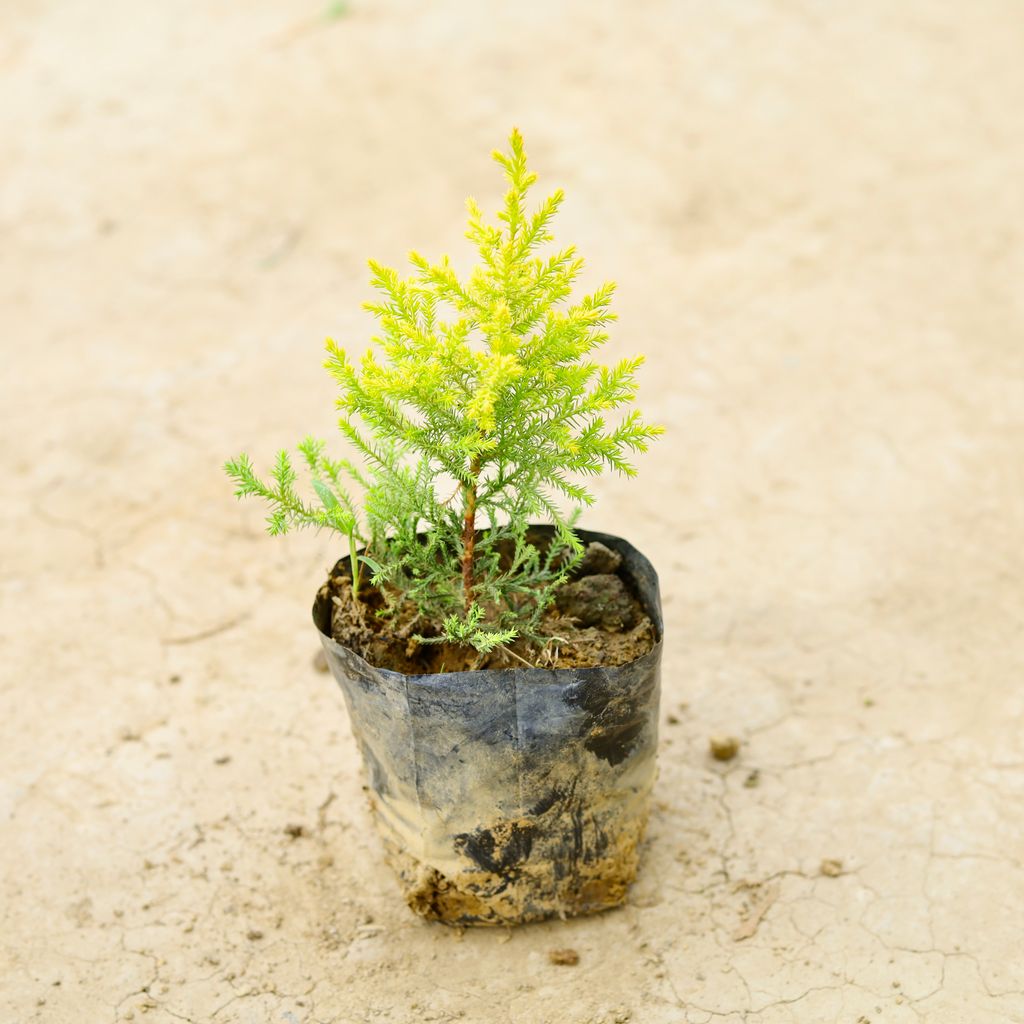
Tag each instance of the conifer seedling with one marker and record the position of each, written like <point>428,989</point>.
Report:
<point>477,410</point>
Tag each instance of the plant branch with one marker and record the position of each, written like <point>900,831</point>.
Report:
<point>469,532</point>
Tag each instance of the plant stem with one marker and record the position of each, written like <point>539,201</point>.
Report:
<point>353,560</point>
<point>469,531</point>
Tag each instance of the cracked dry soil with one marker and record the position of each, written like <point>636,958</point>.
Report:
<point>814,215</point>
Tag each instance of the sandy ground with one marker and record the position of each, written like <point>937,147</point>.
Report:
<point>815,213</point>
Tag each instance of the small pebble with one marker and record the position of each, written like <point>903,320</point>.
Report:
<point>254,934</point>
<point>753,779</point>
<point>724,748</point>
<point>564,957</point>
<point>672,720</point>
<point>223,759</point>
<point>831,868</point>
<point>295,831</point>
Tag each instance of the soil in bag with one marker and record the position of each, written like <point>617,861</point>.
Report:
<point>596,618</point>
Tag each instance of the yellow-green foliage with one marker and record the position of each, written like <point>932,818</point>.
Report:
<point>477,410</point>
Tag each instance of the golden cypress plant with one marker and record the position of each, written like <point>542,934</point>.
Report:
<point>476,411</point>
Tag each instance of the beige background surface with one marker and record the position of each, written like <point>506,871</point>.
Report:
<point>815,214</point>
